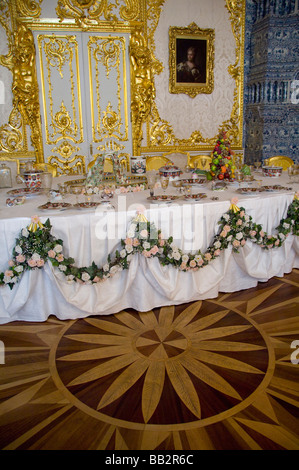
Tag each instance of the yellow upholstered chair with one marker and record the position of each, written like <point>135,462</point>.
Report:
<point>280,160</point>
<point>156,162</point>
<point>46,167</point>
<point>203,161</point>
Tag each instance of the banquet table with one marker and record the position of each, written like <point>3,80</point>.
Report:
<point>91,235</point>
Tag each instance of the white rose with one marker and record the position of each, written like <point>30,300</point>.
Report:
<point>25,232</point>
<point>185,258</point>
<point>85,277</point>
<point>19,268</point>
<point>217,244</point>
<point>106,267</point>
<point>129,248</point>
<point>146,245</point>
<point>58,248</point>
<point>36,256</point>
<point>123,254</point>
<point>70,279</point>
<point>131,234</point>
<point>62,267</point>
<point>176,255</point>
<point>18,249</point>
<point>114,269</point>
<point>239,236</point>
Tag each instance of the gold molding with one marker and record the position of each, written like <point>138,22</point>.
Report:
<point>159,133</point>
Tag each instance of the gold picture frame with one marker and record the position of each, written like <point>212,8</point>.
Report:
<point>186,46</point>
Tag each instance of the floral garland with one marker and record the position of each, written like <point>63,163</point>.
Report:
<point>35,245</point>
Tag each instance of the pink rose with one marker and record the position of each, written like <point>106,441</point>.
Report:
<point>128,241</point>
<point>208,256</point>
<point>200,262</point>
<point>239,222</point>
<point>236,243</point>
<point>183,265</point>
<point>192,263</point>
<point>217,252</point>
<point>136,242</point>
<point>51,254</point>
<point>8,273</point>
<point>234,200</point>
<point>162,242</point>
<point>60,258</point>
<point>20,258</point>
<point>40,263</point>
<point>154,250</point>
<point>226,228</point>
<point>11,263</point>
<point>31,262</point>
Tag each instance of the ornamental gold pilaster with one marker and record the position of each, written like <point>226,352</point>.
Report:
<point>142,86</point>
<point>25,87</point>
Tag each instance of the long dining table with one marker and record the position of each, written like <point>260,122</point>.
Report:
<point>91,235</point>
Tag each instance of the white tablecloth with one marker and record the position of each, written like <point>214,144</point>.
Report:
<point>91,236</point>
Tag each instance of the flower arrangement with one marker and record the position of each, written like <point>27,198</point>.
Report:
<point>35,245</point>
<point>113,189</point>
<point>222,166</point>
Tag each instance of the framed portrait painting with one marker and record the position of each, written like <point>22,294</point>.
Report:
<point>191,60</point>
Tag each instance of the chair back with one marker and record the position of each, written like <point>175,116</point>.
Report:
<point>46,167</point>
<point>280,160</point>
<point>202,161</point>
<point>156,162</point>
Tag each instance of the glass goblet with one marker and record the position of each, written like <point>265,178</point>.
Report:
<point>164,183</point>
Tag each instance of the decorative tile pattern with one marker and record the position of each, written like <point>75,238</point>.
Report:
<point>271,68</point>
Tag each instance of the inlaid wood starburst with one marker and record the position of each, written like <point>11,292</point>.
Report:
<point>213,374</point>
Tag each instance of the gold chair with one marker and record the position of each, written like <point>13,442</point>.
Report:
<point>156,162</point>
<point>280,160</point>
<point>179,158</point>
<point>46,167</point>
<point>203,161</point>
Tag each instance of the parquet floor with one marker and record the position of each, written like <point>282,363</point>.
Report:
<point>219,374</point>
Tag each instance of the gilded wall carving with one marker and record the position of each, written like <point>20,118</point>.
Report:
<point>152,130</point>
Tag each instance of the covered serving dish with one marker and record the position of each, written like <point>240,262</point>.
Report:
<point>272,171</point>
<point>170,171</point>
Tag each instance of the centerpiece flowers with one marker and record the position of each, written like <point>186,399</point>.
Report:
<point>222,166</point>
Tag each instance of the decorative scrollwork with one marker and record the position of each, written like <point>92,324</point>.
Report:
<point>142,86</point>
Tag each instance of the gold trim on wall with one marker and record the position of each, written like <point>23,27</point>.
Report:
<point>159,132</point>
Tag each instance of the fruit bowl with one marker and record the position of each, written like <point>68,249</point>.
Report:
<point>272,171</point>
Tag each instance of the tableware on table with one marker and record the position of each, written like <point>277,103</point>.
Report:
<point>31,179</point>
<point>249,191</point>
<point>54,206</point>
<point>257,164</point>
<point>138,165</point>
<point>17,201</point>
<point>86,205</point>
<point>164,180</point>
<point>194,181</point>
<point>162,199</point>
<point>170,171</point>
<point>5,176</point>
<point>46,181</point>
<point>25,192</point>
<point>272,171</point>
<point>187,189</point>
<point>195,197</point>
<point>151,181</point>
<point>63,189</point>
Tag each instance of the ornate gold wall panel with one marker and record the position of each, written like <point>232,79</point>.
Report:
<point>107,72</point>
<point>160,135</point>
<point>59,66</point>
<point>20,60</point>
<point>151,132</point>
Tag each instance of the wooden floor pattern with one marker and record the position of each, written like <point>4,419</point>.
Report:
<point>219,374</point>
